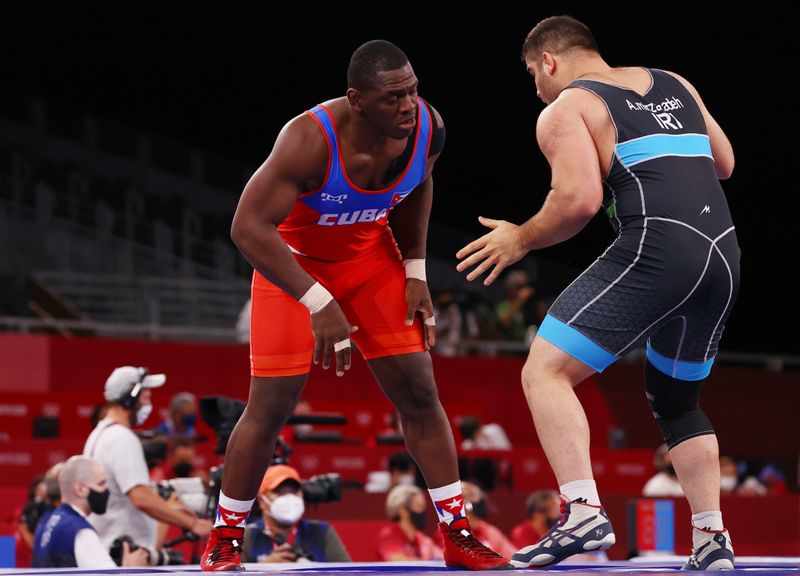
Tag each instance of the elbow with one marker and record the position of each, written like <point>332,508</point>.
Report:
<point>138,502</point>
<point>724,162</point>
<point>240,233</point>
<point>725,171</point>
<point>587,210</point>
<point>586,206</point>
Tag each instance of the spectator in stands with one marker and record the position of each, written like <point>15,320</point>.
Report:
<point>479,318</point>
<point>448,323</point>
<point>665,482</point>
<point>49,498</point>
<point>404,538</point>
<point>774,480</point>
<point>28,518</point>
<point>542,510</point>
<point>182,458</point>
<point>728,475</point>
<point>729,480</point>
<point>182,418</point>
<point>282,534</point>
<point>401,471</point>
<point>478,509</point>
<point>513,313</point>
<point>133,505</point>
<point>66,539</point>
<point>180,462</point>
<point>478,436</point>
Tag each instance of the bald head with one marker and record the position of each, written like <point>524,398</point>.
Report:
<point>399,497</point>
<point>79,471</point>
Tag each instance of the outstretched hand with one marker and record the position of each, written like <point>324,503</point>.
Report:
<point>418,298</point>
<point>499,248</point>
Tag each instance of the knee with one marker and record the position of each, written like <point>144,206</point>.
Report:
<point>531,376</point>
<point>418,398</point>
<point>272,402</point>
<point>676,406</point>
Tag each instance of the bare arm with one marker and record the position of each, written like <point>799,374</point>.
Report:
<point>409,222</point>
<point>146,500</point>
<point>299,156</point>
<point>297,163</point>
<point>575,196</point>
<point>721,147</point>
<point>576,191</point>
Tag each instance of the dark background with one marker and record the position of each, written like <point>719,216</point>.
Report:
<point>225,79</point>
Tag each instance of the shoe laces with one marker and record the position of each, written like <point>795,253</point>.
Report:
<point>470,544</point>
<point>227,548</point>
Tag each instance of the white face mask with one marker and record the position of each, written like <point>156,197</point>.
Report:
<point>406,480</point>
<point>287,509</point>
<point>143,413</point>
<point>727,483</point>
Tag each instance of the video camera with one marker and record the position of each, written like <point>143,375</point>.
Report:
<point>221,414</point>
<point>191,492</point>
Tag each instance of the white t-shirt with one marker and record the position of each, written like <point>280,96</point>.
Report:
<point>120,451</point>
<point>662,484</point>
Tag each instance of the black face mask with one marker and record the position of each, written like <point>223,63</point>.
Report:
<point>183,469</point>
<point>98,501</point>
<point>479,509</point>
<point>419,520</point>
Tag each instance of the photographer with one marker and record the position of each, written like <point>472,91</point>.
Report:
<point>65,539</point>
<point>133,505</point>
<point>282,534</point>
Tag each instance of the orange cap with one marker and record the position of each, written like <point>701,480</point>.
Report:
<point>276,475</point>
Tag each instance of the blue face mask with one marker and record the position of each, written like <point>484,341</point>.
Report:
<point>189,420</point>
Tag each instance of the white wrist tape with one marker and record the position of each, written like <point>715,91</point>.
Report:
<point>316,298</point>
<point>341,345</point>
<point>415,268</point>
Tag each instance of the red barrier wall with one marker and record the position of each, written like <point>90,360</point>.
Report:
<point>81,365</point>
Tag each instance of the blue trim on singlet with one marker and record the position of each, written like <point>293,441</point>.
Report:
<point>646,148</point>
<point>679,369</point>
<point>576,344</point>
<point>346,205</point>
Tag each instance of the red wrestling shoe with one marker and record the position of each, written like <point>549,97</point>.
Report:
<point>463,550</point>
<point>223,550</point>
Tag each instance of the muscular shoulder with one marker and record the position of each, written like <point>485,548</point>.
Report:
<point>559,116</point>
<point>574,108</point>
<point>301,150</point>
<point>686,84</point>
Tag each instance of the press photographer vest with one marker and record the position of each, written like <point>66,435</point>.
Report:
<point>54,542</point>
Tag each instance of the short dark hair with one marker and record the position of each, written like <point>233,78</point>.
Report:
<point>400,461</point>
<point>469,426</point>
<point>369,59</point>
<point>558,34</point>
<point>537,501</point>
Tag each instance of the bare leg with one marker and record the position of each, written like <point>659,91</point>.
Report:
<point>407,380</point>
<point>548,378</point>
<point>696,462</point>
<point>252,442</point>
